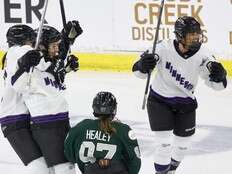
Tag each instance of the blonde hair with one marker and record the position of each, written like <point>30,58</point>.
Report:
<point>106,125</point>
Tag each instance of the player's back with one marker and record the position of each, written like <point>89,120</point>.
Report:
<point>87,143</point>
<point>103,144</point>
<point>92,143</point>
<point>12,102</point>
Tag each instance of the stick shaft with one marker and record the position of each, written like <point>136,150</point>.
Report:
<point>153,52</point>
<point>64,23</point>
<point>38,37</point>
<point>41,25</point>
<point>158,27</point>
<point>63,14</point>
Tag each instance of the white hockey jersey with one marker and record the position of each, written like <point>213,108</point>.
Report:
<point>43,97</point>
<point>12,103</point>
<point>177,76</point>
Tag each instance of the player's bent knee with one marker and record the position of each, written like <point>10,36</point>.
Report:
<point>65,168</point>
<point>163,136</point>
<point>185,133</point>
<point>180,147</point>
<point>38,166</point>
<point>163,147</point>
<point>162,154</point>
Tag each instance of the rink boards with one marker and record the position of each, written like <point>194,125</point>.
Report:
<point>118,62</point>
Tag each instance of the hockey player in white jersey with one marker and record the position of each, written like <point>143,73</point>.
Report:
<point>45,99</point>
<point>14,114</point>
<point>171,102</point>
<point>48,121</point>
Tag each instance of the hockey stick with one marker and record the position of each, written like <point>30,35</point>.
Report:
<point>38,37</point>
<point>153,52</point>
<point>63,14</point>
<point>64,22</point>
<point>41,25</point>
<point>65,58</point>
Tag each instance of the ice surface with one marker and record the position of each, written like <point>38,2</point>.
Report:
<point>211,149</point>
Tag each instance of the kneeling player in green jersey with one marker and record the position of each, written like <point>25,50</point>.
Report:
<point>103,145</point>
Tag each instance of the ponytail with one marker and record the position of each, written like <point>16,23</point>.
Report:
<point>106,125</point>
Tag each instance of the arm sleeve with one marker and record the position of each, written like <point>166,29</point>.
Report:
<point>204,74</point>
<point>132,152</point>
<point>18,77</point>
<point>71,146</point>
<point>19,81</point>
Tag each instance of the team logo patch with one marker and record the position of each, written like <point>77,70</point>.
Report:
<point>132,135</point>
<point>137,151</point>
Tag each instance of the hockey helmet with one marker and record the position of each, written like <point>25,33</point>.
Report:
<point>20,34</point>
<point>104,104</point>
<point>48,35</point>
<point>185,25</point>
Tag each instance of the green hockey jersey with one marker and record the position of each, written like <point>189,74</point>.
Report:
<point>86,143</point>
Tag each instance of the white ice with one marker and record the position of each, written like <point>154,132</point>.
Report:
<point>211,149</point>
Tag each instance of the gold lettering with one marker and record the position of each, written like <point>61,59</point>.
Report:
<point>195,13</point>
<point>153,11</point>
<point>180,9</point>
<point>205,38</point>
<point>143,33</point>
<point>137,12</point>
<point>169,14</point>
<point>231,36</point>
<point>150,34</point>
<point>136,33</point>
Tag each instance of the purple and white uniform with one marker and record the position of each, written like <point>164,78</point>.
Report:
<point>178,77</point>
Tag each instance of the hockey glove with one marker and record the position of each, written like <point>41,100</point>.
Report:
<point>60,76</point>
<point>30,59</point>
<point>72,64</point>
<point>147,62</point>
<point>217,72</point>
<point>103,163</point>
<point>57,70</point>
<point>73,31</point>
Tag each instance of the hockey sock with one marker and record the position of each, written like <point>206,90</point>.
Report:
<point>174,165</point>
<point>65,168</point>
<point>161,169</point>
<point>38,166</point>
